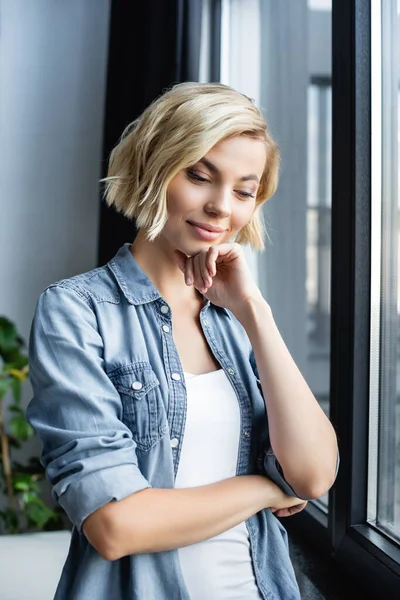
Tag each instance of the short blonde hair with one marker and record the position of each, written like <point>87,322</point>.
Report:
<point>173,133</point>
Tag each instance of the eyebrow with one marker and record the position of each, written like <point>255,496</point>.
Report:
<point>215,170</point>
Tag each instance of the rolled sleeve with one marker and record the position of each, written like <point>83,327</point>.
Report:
<point>88,452</point>
<point>273,470</point>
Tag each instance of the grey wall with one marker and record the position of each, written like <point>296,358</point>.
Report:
<point>53,61</point>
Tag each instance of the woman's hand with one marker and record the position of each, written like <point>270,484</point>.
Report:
<point>221,274</point>
<point>281,504</point>
<point>288,512</point>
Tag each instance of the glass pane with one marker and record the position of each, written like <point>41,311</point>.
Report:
<point>385,493</point>
<point>319,239</point>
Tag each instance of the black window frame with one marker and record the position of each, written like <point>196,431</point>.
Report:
<point>365,553</point>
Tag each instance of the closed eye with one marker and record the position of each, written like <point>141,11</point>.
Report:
<point>197,177</point>
<point>245,194</point>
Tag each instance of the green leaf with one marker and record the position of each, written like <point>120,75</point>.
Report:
<point>15,409</point>
<point>9,338</point>
<point>37,513</point>
<point>4,387</point>
<point>29,497</point>
<point>23,482</point>
<point>20,427</point>
<point>16,390</point>
<point>16,360</point>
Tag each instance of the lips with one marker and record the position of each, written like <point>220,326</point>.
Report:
<point>207,227</point>
<point>206,232</point>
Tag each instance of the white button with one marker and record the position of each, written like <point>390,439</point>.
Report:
<point>137,385</point>
<point>205,322</point>
<point>231,371</point>
<point>165,328</point>
<point>176,376</point>
<point>174,442</point>
<point>164,309</point>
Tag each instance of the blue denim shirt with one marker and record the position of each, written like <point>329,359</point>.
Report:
<point>109,395</point>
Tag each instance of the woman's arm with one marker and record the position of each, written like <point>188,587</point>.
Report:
<point>90,456</point>
<point>154,520</point>
<point>88,453</point>
<point>302,437</point>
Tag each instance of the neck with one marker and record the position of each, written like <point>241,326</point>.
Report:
<point>157,261</point>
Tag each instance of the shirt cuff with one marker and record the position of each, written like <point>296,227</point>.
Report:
<point>273,470</point>
<point>84,496</point>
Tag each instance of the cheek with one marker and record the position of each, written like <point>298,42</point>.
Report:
<point>243,215</point>
<point>183,199</point>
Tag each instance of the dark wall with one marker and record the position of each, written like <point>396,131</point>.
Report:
<point>152,45</point>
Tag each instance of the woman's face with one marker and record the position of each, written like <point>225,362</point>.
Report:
<point>211,201</point>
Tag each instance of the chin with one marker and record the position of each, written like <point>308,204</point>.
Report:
<point>190,247</point>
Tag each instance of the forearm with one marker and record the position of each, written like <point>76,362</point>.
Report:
<point>302,437</point>
<point>154,520</point>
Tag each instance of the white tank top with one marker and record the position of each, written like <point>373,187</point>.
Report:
<point>219,568</point>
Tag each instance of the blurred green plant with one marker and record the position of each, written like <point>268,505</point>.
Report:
<point>25,509</point>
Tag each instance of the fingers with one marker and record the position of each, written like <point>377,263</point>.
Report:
<point>200,277</point>
<point>189,272</point>
<point>289,511</point>
<point>201,269</point>
<point>211,259</point>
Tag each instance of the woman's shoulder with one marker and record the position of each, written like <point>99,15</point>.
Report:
<point>96,285</point>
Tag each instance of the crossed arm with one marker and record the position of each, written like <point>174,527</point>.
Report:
<point>302,437</point>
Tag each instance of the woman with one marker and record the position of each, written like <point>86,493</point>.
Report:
<point>154,375</point>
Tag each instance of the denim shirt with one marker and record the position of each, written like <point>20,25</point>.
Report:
<point>109,396</point>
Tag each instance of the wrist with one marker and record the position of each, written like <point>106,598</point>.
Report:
<point>253,310</point>
<point>273,495</point>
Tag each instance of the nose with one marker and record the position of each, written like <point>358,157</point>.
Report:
<point>220,204</point>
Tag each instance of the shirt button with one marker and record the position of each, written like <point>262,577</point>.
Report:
<point>205,322</point>
<point>137,385</point>
<point>176,376</point>
<point>247,434</point>
<point>174,443</point>
<point>231,371</point>
<point>164,309</point>
<point>165,328</point>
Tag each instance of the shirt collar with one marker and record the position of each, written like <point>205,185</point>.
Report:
<point>133,281</point>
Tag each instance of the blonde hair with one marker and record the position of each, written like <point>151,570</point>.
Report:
<point>173,133</point>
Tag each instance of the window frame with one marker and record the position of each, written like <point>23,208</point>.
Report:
<point>363,551</point>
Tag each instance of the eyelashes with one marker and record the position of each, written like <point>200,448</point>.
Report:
<point>198,178</point>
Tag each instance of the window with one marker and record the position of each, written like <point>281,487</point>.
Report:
<point>333,229</point>
<point>384,463</point>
